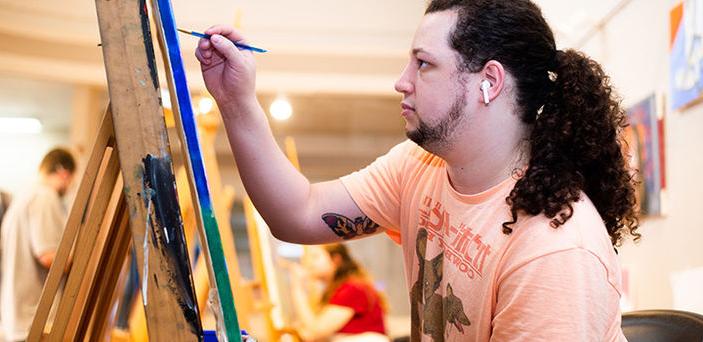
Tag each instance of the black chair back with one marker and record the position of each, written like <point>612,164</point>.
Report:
<point>662,326</point>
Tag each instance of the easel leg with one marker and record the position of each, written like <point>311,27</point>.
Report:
<point>112,256</point>
<point>84,248</point>
<point>104,139</point>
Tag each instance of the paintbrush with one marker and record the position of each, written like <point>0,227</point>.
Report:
<point>239,45</point>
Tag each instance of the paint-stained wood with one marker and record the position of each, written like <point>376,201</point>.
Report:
<point>140,131</point>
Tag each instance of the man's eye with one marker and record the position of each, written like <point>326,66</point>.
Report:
<point>421,64</point>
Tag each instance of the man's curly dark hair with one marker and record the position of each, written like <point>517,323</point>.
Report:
<point>575,143</point>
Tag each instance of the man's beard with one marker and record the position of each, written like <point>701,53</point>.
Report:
<point>436,137</point>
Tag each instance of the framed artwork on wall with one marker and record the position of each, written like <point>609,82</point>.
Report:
<point>686,54</point>
<point>645,141</point>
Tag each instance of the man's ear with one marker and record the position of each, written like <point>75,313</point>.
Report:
<point>494,73</point>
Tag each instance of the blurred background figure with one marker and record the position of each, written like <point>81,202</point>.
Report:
<point>31,232</point>
<point>346,307</point>
<point>4,203</point>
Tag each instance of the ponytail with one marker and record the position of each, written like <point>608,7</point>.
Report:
<point>576,146</point>
<point>575,142</point>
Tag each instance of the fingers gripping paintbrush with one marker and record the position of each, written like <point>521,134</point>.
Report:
<point>239,45</point>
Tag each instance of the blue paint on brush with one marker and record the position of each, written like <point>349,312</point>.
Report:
<point>241,46</point>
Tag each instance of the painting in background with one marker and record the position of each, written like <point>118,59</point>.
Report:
<point>686,48</point>
<point>645,141</point>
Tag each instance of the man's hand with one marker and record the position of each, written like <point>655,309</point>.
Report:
<point>47,259</point>
<point>229,73</point>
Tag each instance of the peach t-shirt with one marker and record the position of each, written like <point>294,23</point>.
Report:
<point>470,282</point>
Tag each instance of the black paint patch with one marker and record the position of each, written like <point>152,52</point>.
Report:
<point>148,43</point>
<point>164,215</point>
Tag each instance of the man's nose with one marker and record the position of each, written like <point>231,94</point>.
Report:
<point>404,84</point>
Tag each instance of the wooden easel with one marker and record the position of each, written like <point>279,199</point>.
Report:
<point>106,203</point>
<point>97,228</point>
<point>256,298</point>
<point>208,125</point>
<point>111,209</point>
<point>265,280</point>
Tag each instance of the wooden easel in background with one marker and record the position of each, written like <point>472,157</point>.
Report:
<point>257,302</point>
<point>269,306</point>
<point>208,125</point>
<point>98,228</point>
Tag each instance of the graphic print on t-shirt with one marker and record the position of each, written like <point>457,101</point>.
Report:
<point>437,311</point>
<point>463,247</point>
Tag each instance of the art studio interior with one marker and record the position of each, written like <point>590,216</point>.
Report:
<point>395,170</point>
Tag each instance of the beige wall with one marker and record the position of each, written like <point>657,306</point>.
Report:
<point>20,154</point>
<point>633,47</point>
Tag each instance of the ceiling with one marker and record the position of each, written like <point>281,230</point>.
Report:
<point>316,46</point>
<point>336,60</point>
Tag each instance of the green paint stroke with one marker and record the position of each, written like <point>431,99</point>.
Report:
<point>219,265</point>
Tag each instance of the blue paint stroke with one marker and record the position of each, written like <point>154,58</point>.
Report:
<point>212,234</point>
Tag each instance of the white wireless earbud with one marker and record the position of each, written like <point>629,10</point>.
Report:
<point>484,87</point>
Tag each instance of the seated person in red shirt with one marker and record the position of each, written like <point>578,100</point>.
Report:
<point>350,309</point>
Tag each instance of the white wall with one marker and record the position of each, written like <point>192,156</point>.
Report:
<point>633,48</point>
<point>20,154</point>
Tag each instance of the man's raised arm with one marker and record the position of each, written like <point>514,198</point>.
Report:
<point>295,210</point>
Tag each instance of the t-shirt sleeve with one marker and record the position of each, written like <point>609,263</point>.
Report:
<point>377,188</point>
<point>46,223</point>
<point>562,296</point>
<point>351,296</point>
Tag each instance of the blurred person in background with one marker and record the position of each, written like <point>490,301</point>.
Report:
<point>349,308</point>
<point>31,233</point>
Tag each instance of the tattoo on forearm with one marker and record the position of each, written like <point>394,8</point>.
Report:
<point>347,228</point>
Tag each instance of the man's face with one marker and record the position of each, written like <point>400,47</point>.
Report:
<point>434,91</point>
<point>63,181</point>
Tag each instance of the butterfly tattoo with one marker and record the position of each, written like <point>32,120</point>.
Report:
<point>347,228</point>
